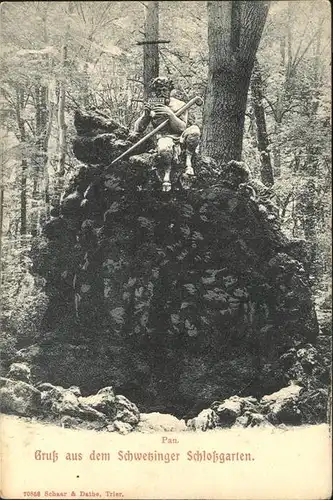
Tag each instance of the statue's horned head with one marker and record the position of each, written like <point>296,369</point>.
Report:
<point>162,84</point>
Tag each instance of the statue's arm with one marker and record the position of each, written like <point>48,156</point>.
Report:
<point>142,123</point>
<point>177,124</point>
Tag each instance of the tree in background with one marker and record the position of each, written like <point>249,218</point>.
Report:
<point>43,62</point>
<point>266,167</point>
<point>234,32</point>
<point>150,47</point>
<point>295,97</point>
<point>57,56</point>
<point>61,115</point>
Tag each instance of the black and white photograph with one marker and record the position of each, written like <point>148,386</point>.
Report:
<point>166,267</point>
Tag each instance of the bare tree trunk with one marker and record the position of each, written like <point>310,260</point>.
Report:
<point>23,217</point>
<point>289,42</point>
<point>266,169</point>
<point>2,198</point>
<point>309,219</point>
<point>283,49</point>
<point>43,131</point>
<point>282,94</point>
<point>61,117</point>
<point>85,92</point>
<point>234,32</point>
<point>3,139</point>
<point>51,106</point>
<point>62,126</point>
<point>150,50</point>
<point>316,76</point>
<point>40,161</point>
<point>277,130</point>
<point>24,165</point>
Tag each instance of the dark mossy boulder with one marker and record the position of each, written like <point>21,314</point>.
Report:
<point>175,299</point>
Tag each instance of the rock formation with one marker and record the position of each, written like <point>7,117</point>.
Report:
<point>174,299</point>
<point>108,412</point>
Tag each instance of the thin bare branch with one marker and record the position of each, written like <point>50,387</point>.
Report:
<point>172,64</point>
<point>8,97</point>
<point>290,108</point>
<point>272,106</point>
<point>30,127</point>
<point>104,12</point>
<point>297,61</point>
<point>135,80</point>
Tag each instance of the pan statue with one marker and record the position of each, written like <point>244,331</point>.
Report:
<point>175,139</point>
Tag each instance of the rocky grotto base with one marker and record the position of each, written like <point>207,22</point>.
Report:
<point>185,310</point>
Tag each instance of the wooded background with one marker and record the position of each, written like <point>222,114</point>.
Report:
<point>60,56</point>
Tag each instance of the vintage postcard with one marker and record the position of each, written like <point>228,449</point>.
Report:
<point>165,196</point>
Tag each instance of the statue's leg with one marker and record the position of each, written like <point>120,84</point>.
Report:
<point>165,154</point>
<point>190,140</point>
